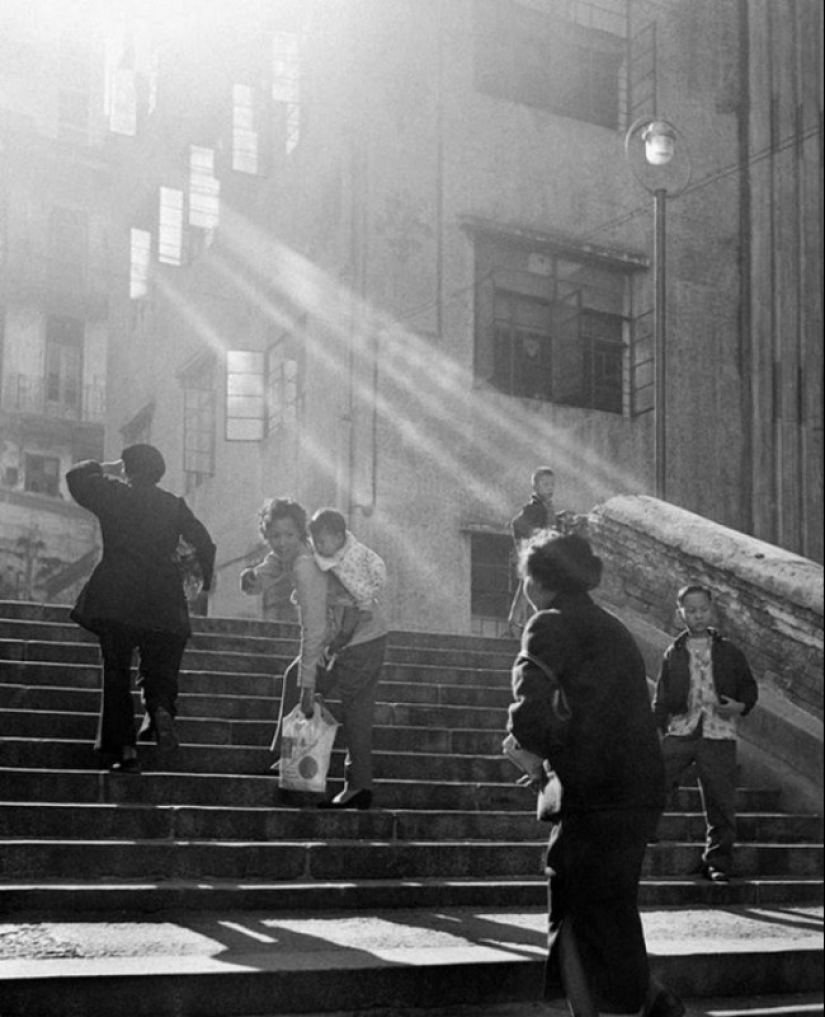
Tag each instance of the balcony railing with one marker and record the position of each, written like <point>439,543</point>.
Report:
<point>28,394</point>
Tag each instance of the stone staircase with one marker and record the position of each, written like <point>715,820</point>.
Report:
<point>191,889</point>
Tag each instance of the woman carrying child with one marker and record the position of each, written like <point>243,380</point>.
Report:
<point>356,640</point>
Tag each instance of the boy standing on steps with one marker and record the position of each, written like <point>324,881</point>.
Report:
<point>704,686</point>
<point>538,514</point>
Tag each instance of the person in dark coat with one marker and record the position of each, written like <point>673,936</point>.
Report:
<point>134,599</point>
<point>582,704</point>
<point>538,514</point>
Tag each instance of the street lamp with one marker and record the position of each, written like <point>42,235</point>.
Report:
<point>651,151</point>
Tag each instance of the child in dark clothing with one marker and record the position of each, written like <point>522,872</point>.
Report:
<point>538,514</point>
<point>704,686</point>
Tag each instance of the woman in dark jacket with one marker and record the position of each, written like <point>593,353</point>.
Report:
<point>134,598</point>
<point>604,749</point>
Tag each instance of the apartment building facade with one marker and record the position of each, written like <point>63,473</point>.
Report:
<point>54,283</point>
<point>391,256</point>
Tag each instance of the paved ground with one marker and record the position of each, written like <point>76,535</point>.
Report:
<point>422,937</point>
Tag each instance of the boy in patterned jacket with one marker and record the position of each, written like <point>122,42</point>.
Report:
<point>705,684</point>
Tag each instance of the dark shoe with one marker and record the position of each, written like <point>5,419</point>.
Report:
<point>665,1004</point>
<point>167,736</point>
<point>126,766</point>
<point>715,875</point>
<point>357,800</point>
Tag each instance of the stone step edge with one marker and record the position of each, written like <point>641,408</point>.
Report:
<point>806,1004</point>
<point>206,886</point>
<point>368,954</point>
<point>122,806</point>
<point>102,772</point>
<point>484,844</point>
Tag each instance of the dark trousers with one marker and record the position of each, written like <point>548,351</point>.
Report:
<point>356,673</point>
<point>159,660</point>
<point>715,760</point>
<point>594,863</point>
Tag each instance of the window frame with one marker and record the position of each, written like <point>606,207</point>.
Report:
<point>51,479</point>
<point>577,289</point>
<point>500,580</point>
<point>200,424</point>
<point>553,61</point>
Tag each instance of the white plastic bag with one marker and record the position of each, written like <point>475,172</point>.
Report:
<point>306,749</point>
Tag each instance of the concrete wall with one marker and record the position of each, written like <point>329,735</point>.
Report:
<point>409,443</point>
<point>783,328</point>
<point>769,601</point>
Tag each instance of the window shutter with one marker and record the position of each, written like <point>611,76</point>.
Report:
<point>567,358</point>
<point>641,73</point>
<point>245,402</point>
<point>485,328</point>
<point>642,378</point>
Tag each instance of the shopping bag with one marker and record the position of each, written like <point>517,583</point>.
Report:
<point>306,749</point>
<point>551,794</point>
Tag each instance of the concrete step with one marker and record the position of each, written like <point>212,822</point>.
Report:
<point>55,618</point>
<point>81,821</point>
<point>797,1004</point>
<point>241,963</point>
<point>60,754</point>
<point>53,898</point>
<point>252,654</point>
<point>491,654</point>
<point>41,687</point>
<point>452,718</point>
<point>396,730</point>
<point>74,674</point>
<point>162,787</point>
<point>274,857</point>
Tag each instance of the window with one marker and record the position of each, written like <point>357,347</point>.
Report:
<point>245,130</point>
<point>244,396</point>
<point>68,246</point>
<point>64,357</point>
<point>491,582</point>
<point>139,428</point>
<point>549,326</point>
<point>131,72</point>
<point>281,383</point>
<point>74,95</point>
<point>204,189</point>
<point>140,255</point>
<point>286,84</point>
<point>42,475</point>
<point>199,422</point>
<point>572,65</point>
<point>170,226</point>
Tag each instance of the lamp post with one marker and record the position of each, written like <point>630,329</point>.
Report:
<point>664,178</point>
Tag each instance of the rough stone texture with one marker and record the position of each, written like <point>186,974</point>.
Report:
<point>769,601</point>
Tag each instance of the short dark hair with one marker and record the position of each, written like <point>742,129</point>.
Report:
<point>561,562</point>
<point>282,508</point>
<point>143,463</point>
<point>541,471</point>
<point>328,520</point>
<point>693,588</point>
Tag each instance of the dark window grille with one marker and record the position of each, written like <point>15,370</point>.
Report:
<point>550,61</point>
<point>42,475</point>
<point>550,328</point>
<point>199,423</point>
<point>490,575</point>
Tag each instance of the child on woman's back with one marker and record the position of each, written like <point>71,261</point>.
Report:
<point>357,568</point>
